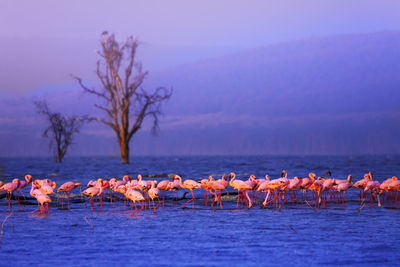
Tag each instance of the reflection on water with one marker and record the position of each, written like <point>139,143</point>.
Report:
<point>294,234</point>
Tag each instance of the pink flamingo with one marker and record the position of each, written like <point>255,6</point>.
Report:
<point>305,184</point>
<point>95,189</point>
<point>205,184</point>
<point>9,188</point>
<point>134,196</point>
<point>46,186</point>
<point>316,188</point>
<point>66,188</point>
<point>374,188</point>
<point>22,184</point>
<point>217,187</point>
<point>164,186</point>
<point>153,193</point>
<point>259,182</point>
<point>190,185</point>
<point>274,186</point>
<point>174,187</point>
<point>361,184</point>
<point>344,186</point>
<point>240,186</point>
<point>41,199</point>
<point>294,185</point>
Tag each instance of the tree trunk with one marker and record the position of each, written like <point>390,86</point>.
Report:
<point>59,156</point>
<point>124,152</point>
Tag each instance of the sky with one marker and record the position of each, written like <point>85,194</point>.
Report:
<point>193,23</point>
<point>43,42</point>
<point>49,40</point>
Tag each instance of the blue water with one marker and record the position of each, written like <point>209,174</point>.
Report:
<point>295,235</point>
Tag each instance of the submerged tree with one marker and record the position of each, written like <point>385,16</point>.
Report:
<point>125,102</point>
<point>61,129</point>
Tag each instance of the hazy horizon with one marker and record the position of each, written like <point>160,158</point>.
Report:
<point>287,78</point>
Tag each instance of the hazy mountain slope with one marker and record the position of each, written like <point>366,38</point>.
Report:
<point>332,95</point>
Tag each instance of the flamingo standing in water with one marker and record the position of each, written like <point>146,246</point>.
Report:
<point>205,184</point>
<point>274,186</point>
<point>242,188</point>
<point>174,187</point>
<point>374,188</point>
<point>361,184</point>
<point>188,184</point>
<point>41,199</point>
<point>217,187</point>
<point>46,186</point>
<point>294,185</point>
<point>316,188</point>
<point>22,184</point>
<point>66,188</point>
<point>153,193</point>
<point>134,196</point>
<point>9,188</point>
<point>95,188</point>
<point>344,186</point>
<point>164,186</point>
<point>306,182</point>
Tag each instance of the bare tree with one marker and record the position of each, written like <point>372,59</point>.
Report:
<point>125,102</point>
<point>61,129</point>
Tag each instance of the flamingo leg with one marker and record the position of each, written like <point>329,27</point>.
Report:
<point>219,198</point>
<point>9,202</point>
<point>238,198</point>
<point>136,210</point>
<point>159,202</point>
<point>266,199</point>
<point>192,199</point>
<point>154,207</point>
<point>68,199</point>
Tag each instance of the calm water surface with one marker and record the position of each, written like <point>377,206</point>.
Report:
<point>293,235</point>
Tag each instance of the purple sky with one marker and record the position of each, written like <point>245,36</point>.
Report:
<point>44,40</point>
<point>346,47</point>
<point>207,22</point>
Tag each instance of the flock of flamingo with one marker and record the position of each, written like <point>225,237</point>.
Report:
<point>271,191</point>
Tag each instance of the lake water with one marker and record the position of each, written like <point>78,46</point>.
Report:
<point>293,235</point>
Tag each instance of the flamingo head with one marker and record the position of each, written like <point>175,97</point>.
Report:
<point>267,177</point>
<point>370,175</point>
<point>77,184</point>
<point>231,175</point>
<point>36,184</point>
<point>139,177</point>
<point>349,178</point>
<point>28,178</point>
<point>252,177</point>
<point>113,180</point>
<point>394,178</point>
<point>15,181</point>
<point>53,184</point>
<point>283,173</point>
<point>126,178</point>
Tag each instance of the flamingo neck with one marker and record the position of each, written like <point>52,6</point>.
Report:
<point>233,178</point>
<point>180,181</point>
